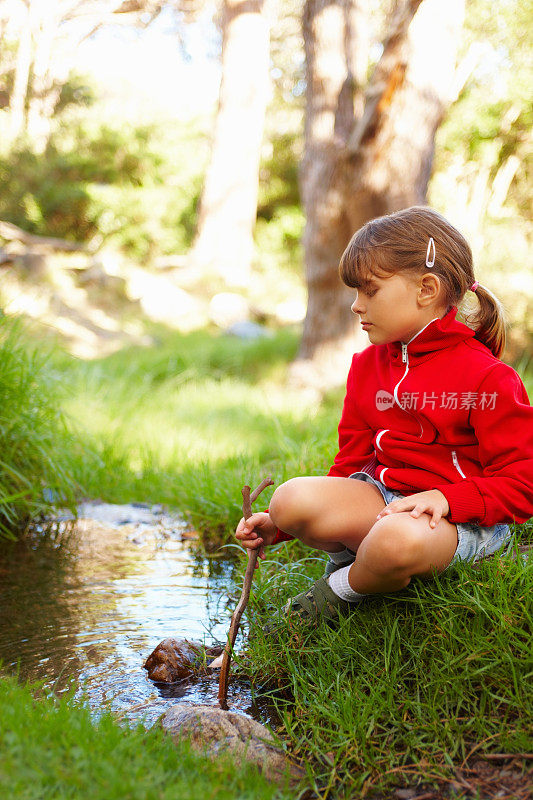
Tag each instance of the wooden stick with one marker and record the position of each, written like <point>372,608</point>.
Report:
<point>245,594</point>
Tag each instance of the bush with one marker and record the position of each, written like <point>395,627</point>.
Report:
<point>135,186</point>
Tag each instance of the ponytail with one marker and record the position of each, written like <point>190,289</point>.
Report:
<point>489,321</point>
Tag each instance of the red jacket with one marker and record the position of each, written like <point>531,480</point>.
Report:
<point>441,412</point>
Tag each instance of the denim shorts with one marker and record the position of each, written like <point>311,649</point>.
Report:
<point>473,541</point>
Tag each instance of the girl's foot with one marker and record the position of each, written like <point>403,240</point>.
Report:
<point>318,601</point>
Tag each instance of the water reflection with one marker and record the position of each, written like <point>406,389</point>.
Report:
<point>91,606</point>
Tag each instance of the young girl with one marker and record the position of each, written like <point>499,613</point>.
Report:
<point>436,433</point>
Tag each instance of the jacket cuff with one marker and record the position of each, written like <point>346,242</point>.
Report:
<point>465,501</point>
<point>281,536</point>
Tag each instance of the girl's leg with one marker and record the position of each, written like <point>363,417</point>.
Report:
<point>326,513</point>
<point>333,513</point>
<point>397,548</point>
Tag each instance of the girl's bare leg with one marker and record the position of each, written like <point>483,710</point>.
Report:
<point>326,513</point>
<point>332,513</point>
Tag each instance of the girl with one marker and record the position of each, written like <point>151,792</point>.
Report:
<point>436,433</point>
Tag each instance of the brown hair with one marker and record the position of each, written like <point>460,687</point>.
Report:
<point>398,243</point>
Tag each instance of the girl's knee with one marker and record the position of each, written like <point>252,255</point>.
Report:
<point>290,503</point>
<point>393,545</point>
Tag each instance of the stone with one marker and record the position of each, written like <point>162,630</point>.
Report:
<point>228,308</point>
<point>175,660</point>
<point>163,301</point>
<point>213,731</point>
<point>246,329</point>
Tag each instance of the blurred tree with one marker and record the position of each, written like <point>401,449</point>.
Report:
<point>224,241</point>
<point>368,147</point>
<point>37,77</point>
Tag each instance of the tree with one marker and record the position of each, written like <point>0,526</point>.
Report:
<point>41,25</point>
<point>224,243</point>
<point>368,148</point>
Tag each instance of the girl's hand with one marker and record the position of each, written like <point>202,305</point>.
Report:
<point>432,502</point>
<point>257,531</point>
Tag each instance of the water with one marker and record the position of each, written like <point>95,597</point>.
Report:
<point>89,605</point>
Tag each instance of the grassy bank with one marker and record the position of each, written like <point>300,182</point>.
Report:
<point>188,421</point>
<point>411,688</point>
<point>52,749</point>
<point>38,450</point>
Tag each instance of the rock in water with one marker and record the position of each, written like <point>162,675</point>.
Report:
<point>212,731</point>
<point>175,659</point>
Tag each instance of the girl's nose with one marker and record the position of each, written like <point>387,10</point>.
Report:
<point>356,306</point>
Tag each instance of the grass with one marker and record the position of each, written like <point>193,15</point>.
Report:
<point>406,688</point>
<point>37,449</point>
<point>190,420</point>
<point>52,748</point>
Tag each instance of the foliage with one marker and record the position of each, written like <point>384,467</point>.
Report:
<point>52,748</point>
<point>280,219</point>
<point>482,177</point>
<point>36,446</point>
<point>130,185</point>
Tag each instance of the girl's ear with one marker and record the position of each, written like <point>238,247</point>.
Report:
<point>429,288</point>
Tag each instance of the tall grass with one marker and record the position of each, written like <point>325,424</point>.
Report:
<point>37,450</point>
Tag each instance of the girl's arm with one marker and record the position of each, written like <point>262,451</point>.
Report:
<point>503,423</point>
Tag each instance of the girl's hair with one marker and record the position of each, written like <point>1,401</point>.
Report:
<point>399,242</point>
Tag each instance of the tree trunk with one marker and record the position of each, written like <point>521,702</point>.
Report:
<point>17,104</point>
<point>377,164</point>
<point>224,242</point>
<point>44,95</point>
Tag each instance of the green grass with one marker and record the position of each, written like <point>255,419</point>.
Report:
<point>406,688</point>
<point>37,450</point>
<point>189,421</point>
<point>53,749</point>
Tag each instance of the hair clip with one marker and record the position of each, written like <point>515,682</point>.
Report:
<point>431,246</point>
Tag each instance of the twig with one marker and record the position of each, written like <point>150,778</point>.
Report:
<point>506,756</point>
<point>245,594</point>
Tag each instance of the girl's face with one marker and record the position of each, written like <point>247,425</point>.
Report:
<point>396,308</point>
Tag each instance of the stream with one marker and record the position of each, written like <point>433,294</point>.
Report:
<point>83,607</point>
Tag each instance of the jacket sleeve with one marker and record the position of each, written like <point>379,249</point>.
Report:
<point>503,422</point>
<point>355,437</point>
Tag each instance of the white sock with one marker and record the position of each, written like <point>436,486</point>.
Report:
<point>345,556</point>
<point>339,583</point>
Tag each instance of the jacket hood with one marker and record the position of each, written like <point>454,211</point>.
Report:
<point>436,335</point>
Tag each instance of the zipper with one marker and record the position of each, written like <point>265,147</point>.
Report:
<point>456,464</point>
<point>405,360</point>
